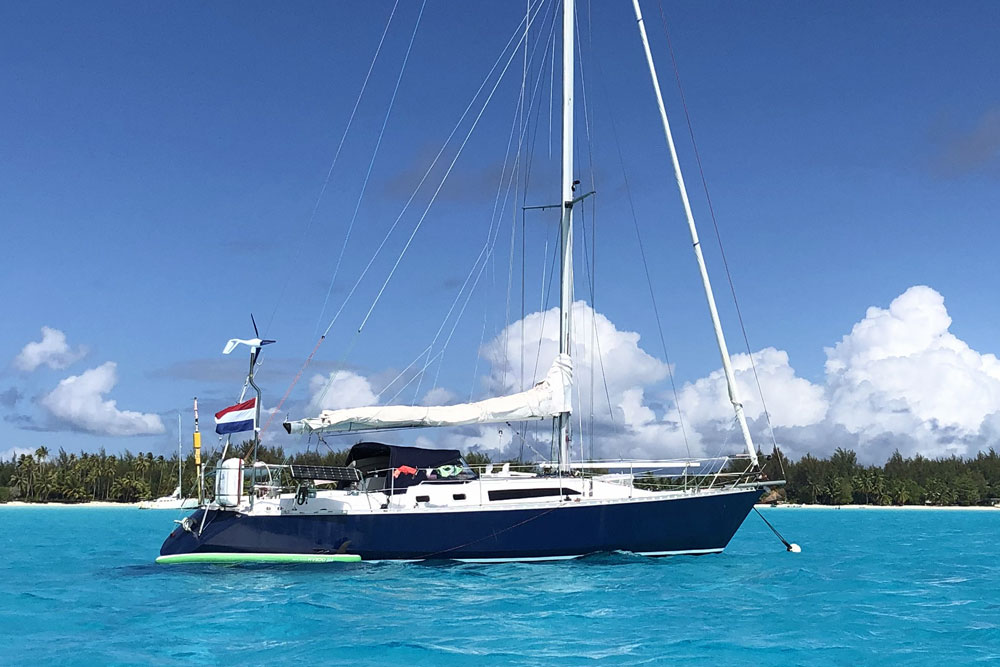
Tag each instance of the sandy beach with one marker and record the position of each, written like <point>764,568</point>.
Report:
<point>93,503</point>
<point>985,508</point>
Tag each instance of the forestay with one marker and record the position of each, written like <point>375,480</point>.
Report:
<point>547,398</point>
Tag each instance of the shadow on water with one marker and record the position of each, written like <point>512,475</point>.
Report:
<point>601,559</point>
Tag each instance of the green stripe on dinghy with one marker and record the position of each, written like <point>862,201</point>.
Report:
<point>258,558</point>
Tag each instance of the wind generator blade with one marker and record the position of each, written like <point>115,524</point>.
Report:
<point>233,342</point>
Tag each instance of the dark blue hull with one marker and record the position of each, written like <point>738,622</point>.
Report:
<point>699,524</point>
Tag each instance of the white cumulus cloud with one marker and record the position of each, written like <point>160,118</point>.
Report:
<point>439,396</point>
<point>902,376</point>
<point>611,371</point>
<point>898,380</point>
<point>52,351</point>
<point>79,402</point>
<point>617,357</point>
<point>791,400</point>
<point>340,389</point>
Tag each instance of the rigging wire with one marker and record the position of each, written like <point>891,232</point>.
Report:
<point>426,174</point>
<point>521,136</point>
<point>415,376</point>
<point>447,173</point>
<point>423,180</point>
<point>333,164</point>
<point>494,224</point>
<point>524,192</point>
<point>326,183</point>
<point>447,316</point>
<point>458,319</point>
<point>494,220</point>
<point>524,197</point>
<point>715,224</point>
<point>645,266</point>
<point>371,165</point>
<point>402,372</point>
<point>522,133</point>
<point>593,211</point>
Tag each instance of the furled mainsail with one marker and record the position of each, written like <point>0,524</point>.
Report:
<point>547,398</point>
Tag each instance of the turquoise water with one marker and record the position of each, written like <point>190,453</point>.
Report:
<point>871,587</point>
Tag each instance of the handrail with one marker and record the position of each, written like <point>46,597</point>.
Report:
<point>677,474</point>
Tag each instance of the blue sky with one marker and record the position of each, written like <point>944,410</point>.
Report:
<point>161,164</point>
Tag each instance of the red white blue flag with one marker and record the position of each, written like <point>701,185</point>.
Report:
<point>236,418</point>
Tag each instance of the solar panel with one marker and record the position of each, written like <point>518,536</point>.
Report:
<point>330,473</point>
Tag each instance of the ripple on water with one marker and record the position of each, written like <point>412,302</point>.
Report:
<point>913,587</point>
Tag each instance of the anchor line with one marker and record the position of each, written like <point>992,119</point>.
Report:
<point>787,544</point>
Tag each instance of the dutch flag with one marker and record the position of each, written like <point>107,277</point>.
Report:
<point>236,418</point>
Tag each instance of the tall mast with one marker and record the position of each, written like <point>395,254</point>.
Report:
<point>566,226</point>
<point>719,337</point>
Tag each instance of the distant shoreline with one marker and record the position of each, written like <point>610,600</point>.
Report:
<point>92,503</point>
<point>881,507</point>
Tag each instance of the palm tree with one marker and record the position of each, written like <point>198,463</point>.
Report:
<point>129,488</point>
<point>19,480</point>
<point>72,489</point>
<point>43,485</point>
<point>109,472</point>
<point>139,467</point>
<point>898,492</point>
<point>26,466</point>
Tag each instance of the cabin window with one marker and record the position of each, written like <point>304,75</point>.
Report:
<point>423,499</point>
<point>458,496</point>
<point>516,494</point>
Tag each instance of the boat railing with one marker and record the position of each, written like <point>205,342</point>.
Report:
<point>668,474</point>
<point>689,474</point>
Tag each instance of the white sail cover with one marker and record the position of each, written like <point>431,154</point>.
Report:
<point>547,398</point>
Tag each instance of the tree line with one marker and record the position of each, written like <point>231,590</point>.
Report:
<point>65,477</point>
<point>841,480</point>
<point>125,477</point>
<point>837,480</point>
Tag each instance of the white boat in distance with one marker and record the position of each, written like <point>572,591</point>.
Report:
<point>172,502</point>
<point>407,503</point>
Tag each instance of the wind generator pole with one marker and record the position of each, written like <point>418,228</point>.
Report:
<point>254,353</point>
<point>566,226</point>
<point>716,323</point>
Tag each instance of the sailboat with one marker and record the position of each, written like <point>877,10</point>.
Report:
<point>176,500</point>
<point>399,503</point>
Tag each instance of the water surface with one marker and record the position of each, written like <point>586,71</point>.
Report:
<point>871,586</point>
